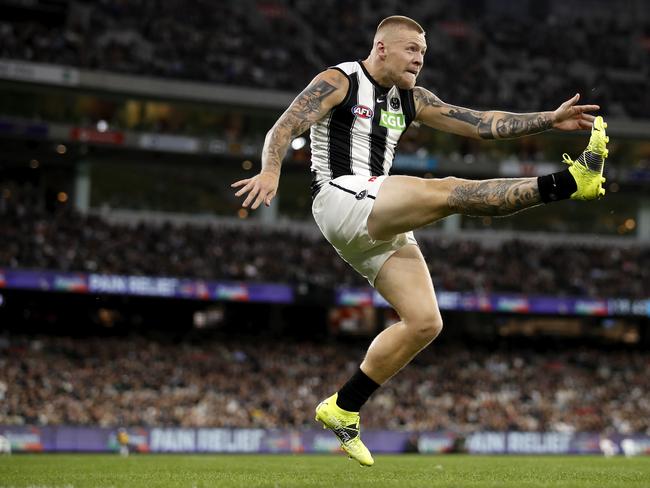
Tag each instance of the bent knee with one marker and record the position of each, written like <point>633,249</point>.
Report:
<point>440,190</point>
<point>425,328</point>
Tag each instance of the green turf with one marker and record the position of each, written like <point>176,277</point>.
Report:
<point>68,471</point>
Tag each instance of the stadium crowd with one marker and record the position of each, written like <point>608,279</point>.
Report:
<point>137,382</point>
<point>478,56</point>
<point>66,240</point>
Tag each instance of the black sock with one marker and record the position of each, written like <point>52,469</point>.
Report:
<point>356,392</point>
<point>556,186</point>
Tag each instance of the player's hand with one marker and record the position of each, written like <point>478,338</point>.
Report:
<point>260,188</point>
<point>570,116</point>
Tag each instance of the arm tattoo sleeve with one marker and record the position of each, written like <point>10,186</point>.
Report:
<point>508,125</point>
<point>494,197</point>
<point>304,111</point>
<point>481,120</point>
<point>425,97</point>
<point>516,125</point>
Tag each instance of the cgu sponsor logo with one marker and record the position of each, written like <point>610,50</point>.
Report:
<point>392,121</point>
<point>362,111</point>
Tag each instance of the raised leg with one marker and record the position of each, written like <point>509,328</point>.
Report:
<point>406,203</point>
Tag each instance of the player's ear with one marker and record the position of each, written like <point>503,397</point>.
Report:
<point>380,48</point>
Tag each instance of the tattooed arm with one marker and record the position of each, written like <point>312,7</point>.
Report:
<point>325,91</point>
<point>498,125</point>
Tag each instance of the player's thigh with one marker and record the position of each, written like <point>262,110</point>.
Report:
<point>404,281</point>
<point>405,203</point>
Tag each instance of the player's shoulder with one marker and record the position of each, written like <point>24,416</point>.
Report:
<point>347,67</point>
<point>341,72</point>
<point>337,75</point>
<point>335,78</point>
<point>332,85</point>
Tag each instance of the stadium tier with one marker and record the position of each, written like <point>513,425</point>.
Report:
<point>66,240</point>
<point>208,43</point>
<point>143,383</point>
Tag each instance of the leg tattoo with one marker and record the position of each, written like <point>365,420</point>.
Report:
<point>494,197</point>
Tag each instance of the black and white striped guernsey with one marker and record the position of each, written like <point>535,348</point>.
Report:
<point>359,136</point>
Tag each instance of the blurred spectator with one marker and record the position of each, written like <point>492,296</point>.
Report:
<point>137,382</point>
<point>518,56</point>
<point>68,241</point>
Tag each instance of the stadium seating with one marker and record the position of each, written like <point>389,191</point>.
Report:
<point>66,240</point>
<point>522,65</point>
<point>138,382</point>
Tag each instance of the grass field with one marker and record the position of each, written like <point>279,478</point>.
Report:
<point>68,471</point>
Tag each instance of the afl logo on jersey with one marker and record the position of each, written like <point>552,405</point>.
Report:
<point>362,111</point>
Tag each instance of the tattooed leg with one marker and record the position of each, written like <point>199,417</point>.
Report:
<point>494,197</point>
<point>406,203</point>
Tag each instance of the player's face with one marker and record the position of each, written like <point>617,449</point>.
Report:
<point>405,57</point>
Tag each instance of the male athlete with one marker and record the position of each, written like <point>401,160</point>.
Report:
<point>357,112</point>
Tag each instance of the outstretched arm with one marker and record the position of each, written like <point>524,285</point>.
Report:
<point>325,91</point>
<point>495,124</point>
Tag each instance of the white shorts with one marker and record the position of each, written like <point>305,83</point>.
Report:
<point>341,211</point>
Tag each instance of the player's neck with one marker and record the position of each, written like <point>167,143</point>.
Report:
<point>374,68</point>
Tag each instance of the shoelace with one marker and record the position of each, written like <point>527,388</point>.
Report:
<point>566,159</point>
<point>588,160</point>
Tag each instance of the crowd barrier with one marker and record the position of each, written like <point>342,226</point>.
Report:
<point>170,287</point>
<point>223,440</point>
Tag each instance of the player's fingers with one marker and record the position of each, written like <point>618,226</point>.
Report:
<point>587,108</point>
<point>269,197</point>
<point>251,196</point>
<point>571,101</point>
<point>584,124</point>
<point>248,186</point>
<point>240,183</point>
<point>567,109</point>
<point>588,118</point>
<point>258,201</point>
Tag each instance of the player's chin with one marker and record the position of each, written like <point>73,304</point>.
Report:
<point>407,81</point>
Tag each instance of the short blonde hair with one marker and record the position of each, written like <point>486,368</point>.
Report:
<point>399,20</point>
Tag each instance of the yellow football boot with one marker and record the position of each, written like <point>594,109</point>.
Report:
<point>345,426</point>
<point>587,170</point>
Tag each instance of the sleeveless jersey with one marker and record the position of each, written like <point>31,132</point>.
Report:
<point>359,136</point>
